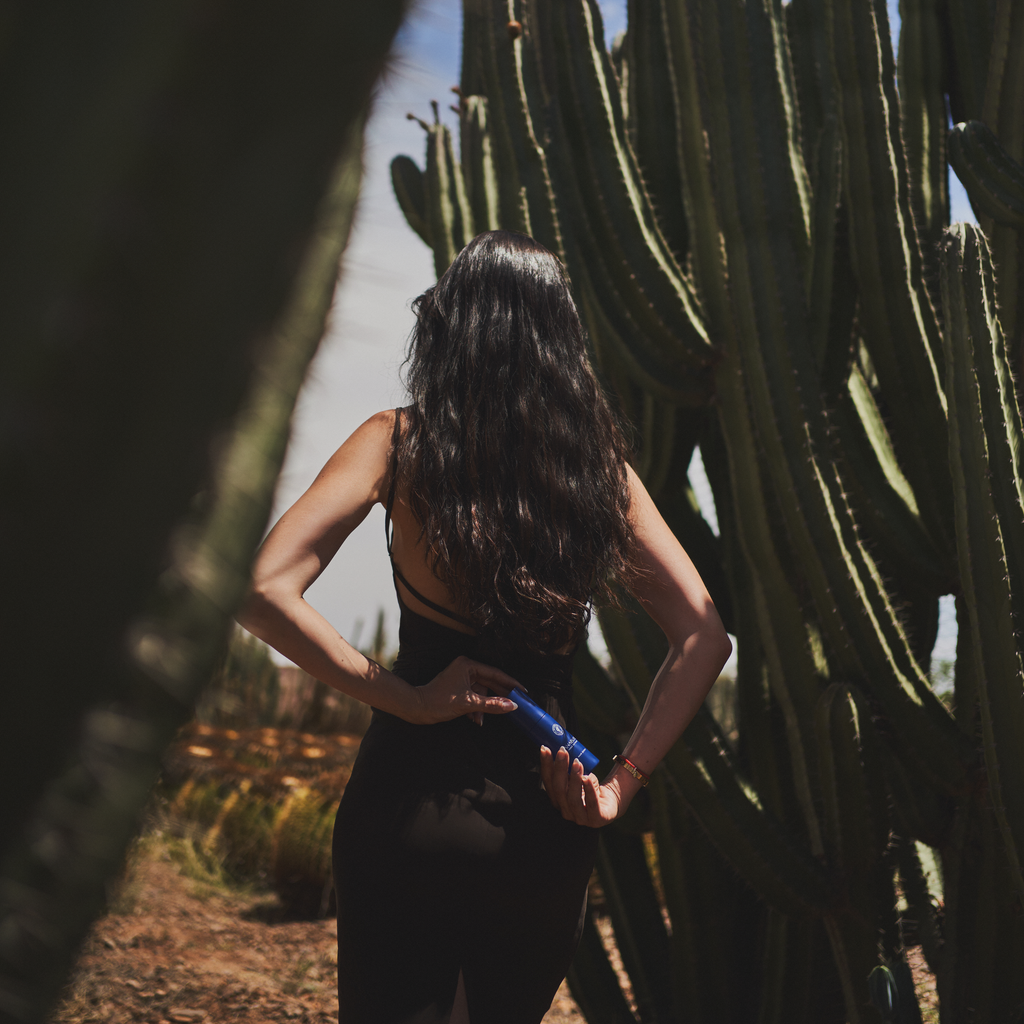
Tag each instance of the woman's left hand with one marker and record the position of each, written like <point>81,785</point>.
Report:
<point>580,798</point>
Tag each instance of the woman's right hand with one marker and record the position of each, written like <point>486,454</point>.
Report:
<point>461,689</point>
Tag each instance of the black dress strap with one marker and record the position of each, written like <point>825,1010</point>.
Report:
<point>389,534</point>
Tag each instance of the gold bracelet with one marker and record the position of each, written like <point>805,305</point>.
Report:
<point>641,776</point>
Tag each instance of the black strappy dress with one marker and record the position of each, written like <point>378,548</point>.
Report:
<point>449,856</point>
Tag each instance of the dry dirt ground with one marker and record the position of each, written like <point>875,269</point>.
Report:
<point>179,946</point>
<point>181,949</point>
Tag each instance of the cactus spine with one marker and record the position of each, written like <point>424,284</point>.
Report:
<point>741,195</point>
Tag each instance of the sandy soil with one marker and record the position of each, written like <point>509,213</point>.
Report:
<point>179,948</point>
<point>183,950</point>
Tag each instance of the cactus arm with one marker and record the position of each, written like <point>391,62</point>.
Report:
<point>613,330</point>
<point>1002,416</point>
<point>678,504</point>
<point>1004,100</point>
<point>921,74</point>
<point>993,179</point>
<point>799,17</point>
<point>854,796</point>
<point>823,258</point>
<point>883,508</point>
<point>832,296</point>
<point>901,688</point>
<point>652,120</point>
<point>979,388</point>
<point>900,327</point>
<point>999,404</point>
<point>793,680</point>
<point>714,920</point>
<point>658,432</point>
<point>858,828</point>
<point>633,231</point>
<point>533,97</point>
<point>448,217</point>
<point>841,346</point>
<point>761,733</point>
<point>878,436</point>
<point>462,227</point>
<point>410,191</point>
<point>801,753</point>
<point>1005,79</point>
<point>969,31</point>
<point>495,70</point>
<point>475,41</point>
<point>528,97</point>
<point>598,180</point>
<point>704,222</point>
<point>478,160</point>
<point>636,671</point>
<point>797,179</point>
<point>441,213</point>
<point>678,882</point>
<point>614,306</point>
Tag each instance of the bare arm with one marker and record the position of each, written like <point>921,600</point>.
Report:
<point>300,547</point>
<point>676,598</point>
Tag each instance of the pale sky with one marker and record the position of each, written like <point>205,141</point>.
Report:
<point>356,372</point>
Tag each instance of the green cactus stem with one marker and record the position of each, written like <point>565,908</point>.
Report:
<point>985,445</point>
<point>993,179</point>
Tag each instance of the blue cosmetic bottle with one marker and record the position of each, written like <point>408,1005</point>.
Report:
<point>542,728</point>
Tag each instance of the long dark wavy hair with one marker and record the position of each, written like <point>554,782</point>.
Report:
<point>514,463</point>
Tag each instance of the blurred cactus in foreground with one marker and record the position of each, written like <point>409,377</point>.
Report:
<point>177,187</point>
<point>755,223</point>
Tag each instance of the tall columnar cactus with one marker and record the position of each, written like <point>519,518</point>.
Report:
<point>750,213</point>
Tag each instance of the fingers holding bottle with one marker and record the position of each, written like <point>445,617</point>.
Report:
<point>576,794</point>
<point>465,687</point>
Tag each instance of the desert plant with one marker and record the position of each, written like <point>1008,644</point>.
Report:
<point>751,216</point>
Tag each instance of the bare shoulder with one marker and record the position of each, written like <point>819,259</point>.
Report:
<point>363,460</point>
<point>376,432</point>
